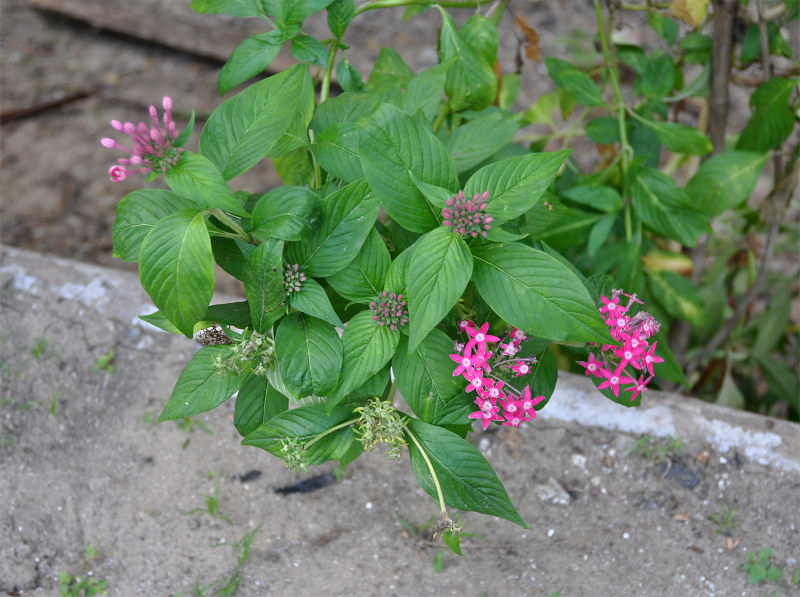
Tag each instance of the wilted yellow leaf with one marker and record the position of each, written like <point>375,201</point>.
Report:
<point>689,11</point>
<point>532,49</point>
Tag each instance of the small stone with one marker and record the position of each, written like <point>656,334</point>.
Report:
<point>553,492</point>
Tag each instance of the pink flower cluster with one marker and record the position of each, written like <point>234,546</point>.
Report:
<point>153,146</point>
<point>389,309</point>
<point>497,399</point>
<point>633,352</point>
<point>468,217</point>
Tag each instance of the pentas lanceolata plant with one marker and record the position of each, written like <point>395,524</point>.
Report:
<point>402,220</point>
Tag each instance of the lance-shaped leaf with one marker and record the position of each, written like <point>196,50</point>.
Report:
<point>362,279</point>
<point>137,213</point>
<point>350,214</point>
<point>249,58</point>
<point>772,120</point>
<point>471,83</point>
<point>725,181</point>
<point>465,477</point>
<point>424,92</point>
<point>176,268</point>
<point>303,425</point>
<point>287,213</point>
<point>256,403</point>
<point>235,8</point>
<point>393,145</point>
<point>196,178</point>
<point>290,14</point>
<point>336,149</point>
<point>666,209</point>
<point>679,137</point>
<point>312,300</point>
<point>437,275</point>
<point>199,387</point>
<point>367,347</point>
<point>263,284</point>
<point>309,355</point>
<point>679,297</point>
<point>537,293</point>
<point>247,127</point>
<point>389,71</point>
<point>516,184</point>
<point>479,139</point>
<point>425,379</point>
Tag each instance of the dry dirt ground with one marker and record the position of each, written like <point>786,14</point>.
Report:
<point>82,462</point>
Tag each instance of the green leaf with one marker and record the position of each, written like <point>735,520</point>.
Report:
<point>581,87</point>
<point>349,107</point>
<point>311,299</point>
<point>176,268</point>
<point>680,138</point>
<point>393,145</point>
<point>233,314</point>
<point>600,197</point>
<point>696,48</point>
<point>666,209</point>
<point>303,425</point>
<point>599,233</point>
<point>229,256</point>
<point>294,168</point>
<point>197,179</point>
<point>256,403</point>
<point>516,184</point>
<point>290,14</point>
<point>309,355</point>
<point>425,379</point>
<point>543,378</point>
<point>471,83</point>
<point>389,71</point>
<point>535,292</point>
<point>466,478</point>
<point>251,57</point>
<point>669,369</point>
<point>340,14</point>
<point>367,348</point>
<point>348,76</point>
<point>350,214</point>
<point>437,275</point>
<point>235,8</point>
<point>199,387</point>
<point>424,92</point>
<point>481,33</point>
<point>603,130</point>
<point>247,127</point>
<point>362,280</point>
<point>658,78</point>
<point>336,150</point>
<point>772,120</point>
<point>159,320</point>
<point>479,139</point>
<point>664,26</point>
<point>137,213</point>
<point>263,284</point>
<point>287,213</point>
<point>396,275</point>
<point>725,181</point>
<point>307,49</point>
<point>679,297</point>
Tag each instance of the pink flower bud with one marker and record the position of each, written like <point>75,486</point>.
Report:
<point>117,173</point>
<point>106,142</point>
<point>167,102</point>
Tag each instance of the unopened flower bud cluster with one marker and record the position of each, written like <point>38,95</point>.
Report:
<point>253,354</point>
<point>379,423</point>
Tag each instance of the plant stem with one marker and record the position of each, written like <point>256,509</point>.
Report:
<point>620,109</point>
<point>395,3</point>
<point>228,221</point>
<point>317,174</point>
<point>444,110</point>
<point>328,432</point>
<point>414,439</point>
<point>326,77</point>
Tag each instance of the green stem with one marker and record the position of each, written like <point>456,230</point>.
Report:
<point>620,109</point>
<point>326,78</point>
<point>395,3</point>
<point>414,439</point>
<point>444,110</point>
<point>228,221</point>
<point>317,174</point>
<point>328,432</point>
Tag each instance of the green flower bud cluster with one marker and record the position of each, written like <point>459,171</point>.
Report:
<point>293,454</point>
<point>254,354</point>
<point>379,423</point>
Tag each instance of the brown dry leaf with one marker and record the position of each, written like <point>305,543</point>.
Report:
<point>731,544</point>
<point>681,517</point>
<point>689,11</point>
<point>532,49</point>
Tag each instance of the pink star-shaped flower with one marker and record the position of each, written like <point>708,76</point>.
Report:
<point>592,366</point>
<point>648,359</point>
<point>479,337</point>
<point>640,386</point>
<point>522,368</point>
<point>613,379</point>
